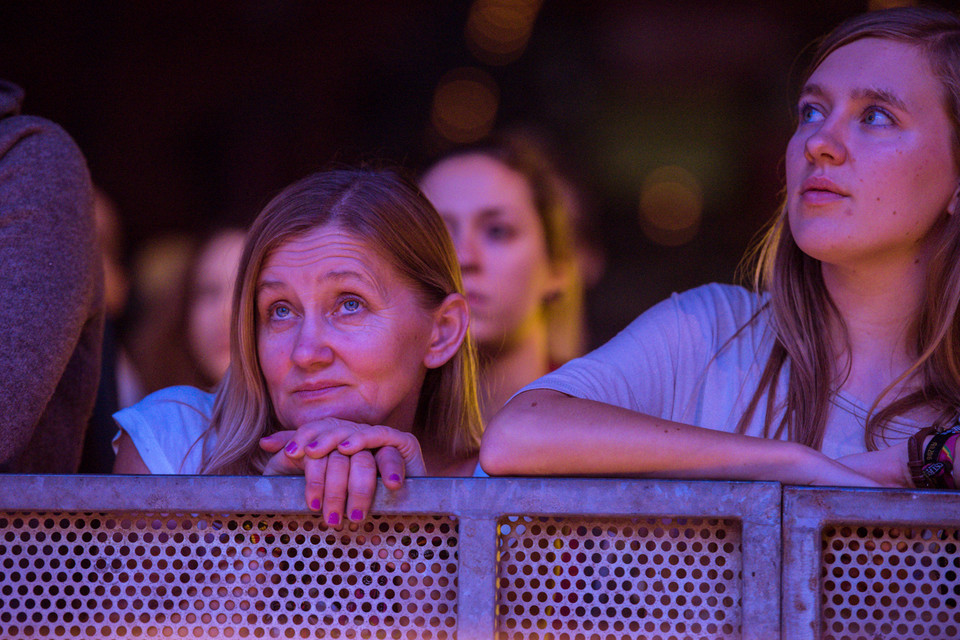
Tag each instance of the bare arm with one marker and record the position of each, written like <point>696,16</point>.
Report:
<point>545,432</point>
<point>128,458</point>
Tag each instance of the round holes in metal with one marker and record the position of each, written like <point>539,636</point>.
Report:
<point>94,575</point>
<point>890,582</point>
<point>605,579</point>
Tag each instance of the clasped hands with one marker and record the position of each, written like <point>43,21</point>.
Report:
<point>341,460</point>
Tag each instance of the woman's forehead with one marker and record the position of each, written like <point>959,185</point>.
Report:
<point>878,65</point>
<point>332,253</point>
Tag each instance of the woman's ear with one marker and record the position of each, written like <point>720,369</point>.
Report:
<point>954,203</point>
<point>562,274</point>
<point>450,321</point>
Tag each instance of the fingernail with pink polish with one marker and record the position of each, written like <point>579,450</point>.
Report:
<point>292,447</point>
<point>313,445</point>
<point>334,518</point>
<point>394,477</point>
<point>356,514</point>
<point>345,443</point>
<point>315,504</point>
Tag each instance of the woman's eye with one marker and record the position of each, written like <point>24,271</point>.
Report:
<point>500,232</point>
<point>351,305</point>
<point>877,117</point>
<point>279,311</point>
<point>810,113</point>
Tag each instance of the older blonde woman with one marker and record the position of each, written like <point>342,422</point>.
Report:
<point>349,353</point>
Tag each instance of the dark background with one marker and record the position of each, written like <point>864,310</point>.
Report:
<point>195,113</point>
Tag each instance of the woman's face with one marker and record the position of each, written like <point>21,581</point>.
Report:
<point>870,167</point>
<point>208,319</point>
<point>340,333</point>
<point>500,241</point>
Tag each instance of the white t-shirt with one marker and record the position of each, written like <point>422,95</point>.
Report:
<point>166,427</point>
<point>680,361</point>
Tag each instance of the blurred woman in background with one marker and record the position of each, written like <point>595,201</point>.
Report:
<point>509,218</point>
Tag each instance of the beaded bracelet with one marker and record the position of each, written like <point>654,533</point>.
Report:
<point>934,468</point>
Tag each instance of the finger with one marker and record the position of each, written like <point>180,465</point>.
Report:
<point>315,471</point>
<point>335,488</point>
<point>374,437</point>
<point>318,439</point>
<point>361,485</point>
<point>391,466</point>
<point>280,464</point>
<point>276,441</point>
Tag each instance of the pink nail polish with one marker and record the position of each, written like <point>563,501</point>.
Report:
<point>313,445</point>
<point>315,504</point>
<point>334,518</point>
<point>345,443</point>
<point>292,447</point>
<point>356,514</point>
<point>394,477</point>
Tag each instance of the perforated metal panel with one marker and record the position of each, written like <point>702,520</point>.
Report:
<point>141,575</point>
<point>287,576</point>
<point>604,579</point>
<point>893,582</point>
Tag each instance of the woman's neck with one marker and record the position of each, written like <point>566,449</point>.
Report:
<point>878,308</point>
<point>505,371</point>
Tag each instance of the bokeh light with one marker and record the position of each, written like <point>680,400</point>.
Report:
<point>498,30</point>
<point>465,105</point>
<point>671,205</point>
<point>875,5</point>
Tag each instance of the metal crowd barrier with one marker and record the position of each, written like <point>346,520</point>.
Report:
<point>538,559</point>
<point>871,563</point>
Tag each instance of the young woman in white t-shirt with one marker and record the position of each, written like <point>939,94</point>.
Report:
<point>853,328</point>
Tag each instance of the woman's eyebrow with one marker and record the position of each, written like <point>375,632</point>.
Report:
<point>873,94</point>
<point>812,89</point>
<point>264,285</point>
<point>880,95</point>
<point>491,213</point>
<point>347,275</point>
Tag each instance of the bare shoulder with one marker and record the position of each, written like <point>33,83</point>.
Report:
<point>128,458</point>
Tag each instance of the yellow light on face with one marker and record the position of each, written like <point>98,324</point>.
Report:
<point>465,105</point>
<point>671,205</point>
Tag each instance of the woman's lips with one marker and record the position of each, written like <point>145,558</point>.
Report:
<point>317,392</point>
<point>820,196</point>
<point>821,190</point>
<point>475,299</point>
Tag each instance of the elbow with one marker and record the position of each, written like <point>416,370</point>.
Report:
<point>495,455</point>
<point>506,448</point>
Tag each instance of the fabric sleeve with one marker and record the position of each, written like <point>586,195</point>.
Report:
<point>655,365</point>
<point>166,427</point>
<point>51,271</point>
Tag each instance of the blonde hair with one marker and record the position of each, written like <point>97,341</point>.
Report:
<point>799,302</point>
<point>390,214</point>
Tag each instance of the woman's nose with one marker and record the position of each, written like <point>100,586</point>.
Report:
<point>468,254</point>
<point>312,348</point>
<point>826,144</point>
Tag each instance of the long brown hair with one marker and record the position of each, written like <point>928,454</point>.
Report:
<point>391,214</point>
<point>800,304</point>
